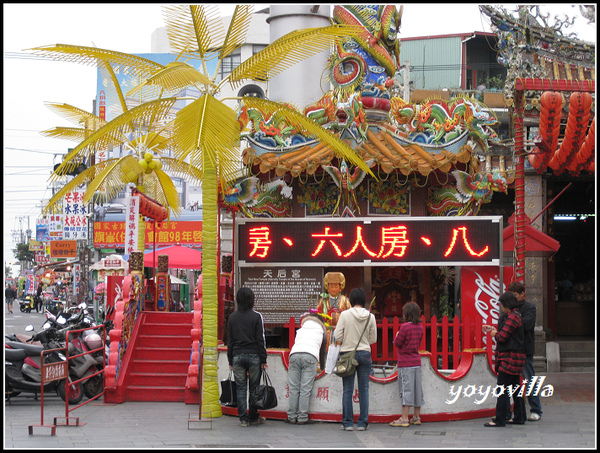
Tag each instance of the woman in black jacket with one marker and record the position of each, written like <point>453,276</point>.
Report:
<point>246,353</point>
<point>510,359</point>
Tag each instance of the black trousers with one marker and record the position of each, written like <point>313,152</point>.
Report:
<point>503,403</point>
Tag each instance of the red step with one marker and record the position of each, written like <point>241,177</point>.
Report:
<point>160,360</point>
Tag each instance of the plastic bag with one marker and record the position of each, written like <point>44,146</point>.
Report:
<point>332,356</point>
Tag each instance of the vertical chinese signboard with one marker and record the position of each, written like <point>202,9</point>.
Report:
<point>75,216</point>
<point>132,219</point>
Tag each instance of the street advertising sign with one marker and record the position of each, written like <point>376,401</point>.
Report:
<point>75,215</point>
<point>132,219</point>
<point>112,234</point>
<point>63,249</point>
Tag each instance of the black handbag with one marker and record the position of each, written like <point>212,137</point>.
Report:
<point>264,396</point>
<point>228,391</point>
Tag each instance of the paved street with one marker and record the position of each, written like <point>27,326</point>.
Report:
<point>569,421</point>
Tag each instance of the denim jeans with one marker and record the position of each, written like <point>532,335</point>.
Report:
<point>363,370</point>
<point>534,401</point>
<point>301,376</point>
<point>246,369</point>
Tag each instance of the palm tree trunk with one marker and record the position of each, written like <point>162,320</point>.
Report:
<point>210,284</point>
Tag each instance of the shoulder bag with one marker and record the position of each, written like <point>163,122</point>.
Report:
<point>346,364</point>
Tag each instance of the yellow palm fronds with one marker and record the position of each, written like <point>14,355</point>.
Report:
<point>84,178</point>
<point>114,133</point>
<point>76,115</point>
<point>174,78</point>
<point>114,175</point>
<point>194,30</point>
<point>205,130</point>
<point>168,195</point>
<point>304,124</point>
<point>288,51</point>
<point>66,133</point>
<point>153,141</point>
<point>238,27</point>
<point>182,170</point>
<point>121,62</point>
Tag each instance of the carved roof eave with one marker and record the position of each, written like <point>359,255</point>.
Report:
<point>388,150</point>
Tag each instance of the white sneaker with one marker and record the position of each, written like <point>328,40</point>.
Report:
<point>534,417</point>
<point>347,428</point>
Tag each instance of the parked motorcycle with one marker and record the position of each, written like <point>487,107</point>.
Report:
<point>23,371</point>
<point>26,304</point>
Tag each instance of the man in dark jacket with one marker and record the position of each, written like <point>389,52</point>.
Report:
<point>246,353</point>
<point>528,314</point>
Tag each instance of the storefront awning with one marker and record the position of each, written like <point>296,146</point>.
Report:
<point>536,242</point>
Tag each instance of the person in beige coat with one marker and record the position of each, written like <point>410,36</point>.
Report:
<point>348,332</point>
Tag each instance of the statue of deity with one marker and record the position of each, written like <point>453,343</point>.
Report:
<point>333,302</point>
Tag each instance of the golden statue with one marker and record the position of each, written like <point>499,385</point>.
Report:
<point>333,302</point>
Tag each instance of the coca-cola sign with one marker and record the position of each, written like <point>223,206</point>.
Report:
<point>481,291</point>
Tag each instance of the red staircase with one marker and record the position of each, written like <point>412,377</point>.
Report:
<point>160,358</point>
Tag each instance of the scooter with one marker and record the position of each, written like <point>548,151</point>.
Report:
<point>26,304</point>
<point>23,371</point>
<point>87,364</point>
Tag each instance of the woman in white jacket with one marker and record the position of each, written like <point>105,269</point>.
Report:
<point>348,333</point>
<point>309,348</point>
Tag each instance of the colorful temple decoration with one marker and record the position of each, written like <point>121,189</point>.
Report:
<point>393,136</point>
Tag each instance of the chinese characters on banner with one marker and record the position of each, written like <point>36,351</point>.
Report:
<point>132,221</point>
<point>356,242</point>
<point>63,249</point>
<point>56,227</point>
<point>75,216</point>
<point>76,278</point>
<point>112,234</point>
<point>283,292</point>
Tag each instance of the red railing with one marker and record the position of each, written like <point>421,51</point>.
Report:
<point>444,340</point>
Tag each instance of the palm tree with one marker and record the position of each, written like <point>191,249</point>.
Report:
<point>206,132</point>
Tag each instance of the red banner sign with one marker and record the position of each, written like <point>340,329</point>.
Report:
<point>481,291</point>
<point>112,234</point>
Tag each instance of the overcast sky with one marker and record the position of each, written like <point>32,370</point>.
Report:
<point>28,83</point>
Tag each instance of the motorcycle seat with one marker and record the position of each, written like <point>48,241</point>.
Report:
<point>14,355</point>
<point>30,349</point>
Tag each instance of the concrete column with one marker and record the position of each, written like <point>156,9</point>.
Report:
<point>536,277</point>
<point>305,82</point>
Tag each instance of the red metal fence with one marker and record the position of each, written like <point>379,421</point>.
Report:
<point>444,340</point>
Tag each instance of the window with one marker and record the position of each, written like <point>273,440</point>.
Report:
<point>229,63</point>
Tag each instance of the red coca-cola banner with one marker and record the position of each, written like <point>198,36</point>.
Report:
<point>480,291</point>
